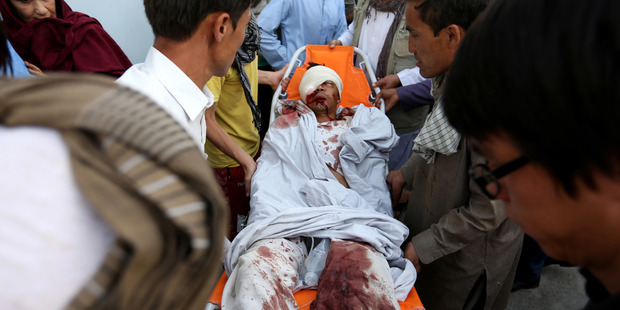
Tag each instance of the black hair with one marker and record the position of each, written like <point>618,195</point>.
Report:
<point>547,73</point>
<point>179,19</point>
<point>439,14</point>
<point>314,64</point>
<point>5,56</point>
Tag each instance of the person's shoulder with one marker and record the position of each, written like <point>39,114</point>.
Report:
<point>145,82</point>
<point>137,77</point>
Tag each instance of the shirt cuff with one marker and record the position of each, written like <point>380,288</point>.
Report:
<point>426,247</point>
<point>410,76</point>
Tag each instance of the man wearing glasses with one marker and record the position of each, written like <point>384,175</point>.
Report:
<point>543,107</point>
<point>464,246</point>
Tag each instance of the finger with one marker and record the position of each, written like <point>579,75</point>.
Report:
<point>390,103</point>
<point>375,84</point>
<point>248,184</point>
<point>378,99</point>
<point>394,193</point>
<point>380,83</point>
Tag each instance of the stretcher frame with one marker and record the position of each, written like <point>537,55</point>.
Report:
<point>296,63</point>
<point>305,297</point>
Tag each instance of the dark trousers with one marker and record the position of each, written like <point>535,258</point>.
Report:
<point>531,261</point>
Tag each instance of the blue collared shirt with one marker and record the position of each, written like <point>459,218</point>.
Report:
<point>302,22</point>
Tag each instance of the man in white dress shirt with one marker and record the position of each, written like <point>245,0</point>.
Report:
<point>193,41</point>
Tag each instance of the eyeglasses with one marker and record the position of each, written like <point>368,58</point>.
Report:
<point>487,180</point>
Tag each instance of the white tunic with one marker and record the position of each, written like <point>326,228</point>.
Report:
<point>373,34</point>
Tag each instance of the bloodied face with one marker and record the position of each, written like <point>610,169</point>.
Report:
<point>324,100</point>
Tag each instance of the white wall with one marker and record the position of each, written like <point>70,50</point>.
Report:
<point>124,20</point>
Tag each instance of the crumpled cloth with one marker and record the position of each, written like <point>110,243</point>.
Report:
<point>294,194</point>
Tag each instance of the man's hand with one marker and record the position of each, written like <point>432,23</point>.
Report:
<point>271,78</point>
<point>389,81</point>
<point>346,112</point>
<point>277,77</point>
<point>285,83</point>
<point>249,170</point>
<point>390,97</point>
<point>396,181</point>
<point>333,43</point>
<point>412,255</point>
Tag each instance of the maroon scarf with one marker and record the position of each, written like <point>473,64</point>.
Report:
<point>71,42</point>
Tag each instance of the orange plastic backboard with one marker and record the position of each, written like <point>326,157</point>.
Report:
<point>340,58</point>
<point>305,297</point>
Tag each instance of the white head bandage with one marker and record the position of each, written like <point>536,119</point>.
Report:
<point>316,76</point>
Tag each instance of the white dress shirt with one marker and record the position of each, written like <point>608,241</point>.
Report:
<point>161,80</point>
<point>373,34</point>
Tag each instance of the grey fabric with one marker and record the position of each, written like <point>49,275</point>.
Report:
<point>349,6</point>
<point>458,233</point>
<point>245,55</point>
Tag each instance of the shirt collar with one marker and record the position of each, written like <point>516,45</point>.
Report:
<point>192,99</point>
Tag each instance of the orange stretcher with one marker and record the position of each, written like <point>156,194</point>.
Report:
<point>356,90</point>
<point>356,81</point>
<point>305,297</point>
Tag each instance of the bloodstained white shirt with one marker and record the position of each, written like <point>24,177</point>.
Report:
<point>328,142</point>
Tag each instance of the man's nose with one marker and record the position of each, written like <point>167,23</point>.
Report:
<point>412,47</point>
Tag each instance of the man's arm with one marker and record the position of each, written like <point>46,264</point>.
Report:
<point>271,78</point>
<point>220,138</point>
<point>460,226</point>
<point>345,39</point>
<point>269,21</point>
<point>410,96</point>
<point>415,95</point>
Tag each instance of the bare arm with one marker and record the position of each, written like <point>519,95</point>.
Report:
<point>220,138</point>
<point>271,78</point>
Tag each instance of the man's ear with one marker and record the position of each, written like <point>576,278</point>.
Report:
<point>455,35</point>
<point>221,26</point>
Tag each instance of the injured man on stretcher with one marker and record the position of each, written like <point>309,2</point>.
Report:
<point>321,175</point>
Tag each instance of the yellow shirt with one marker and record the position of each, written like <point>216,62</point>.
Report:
<point>234,114</point>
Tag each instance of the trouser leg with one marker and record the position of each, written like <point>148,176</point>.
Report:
<point>356,276</point>
<point>265,276</point>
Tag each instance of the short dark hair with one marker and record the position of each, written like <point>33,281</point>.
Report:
<point>547,73</point>
<point>179,19</point>
<point>439,14</point>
